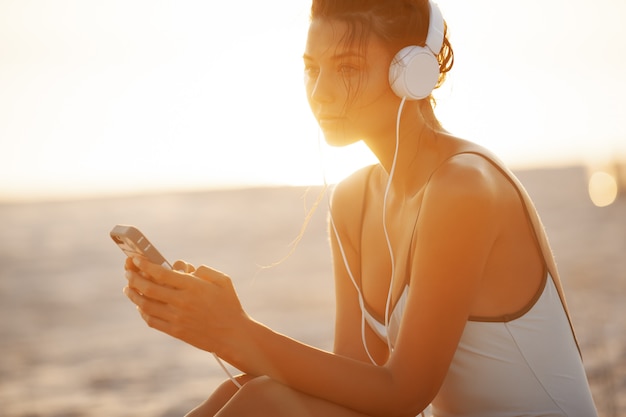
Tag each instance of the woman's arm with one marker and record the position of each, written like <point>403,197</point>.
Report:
<point>455,236</point>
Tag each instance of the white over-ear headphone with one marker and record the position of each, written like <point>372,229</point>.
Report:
<point>414,71</point>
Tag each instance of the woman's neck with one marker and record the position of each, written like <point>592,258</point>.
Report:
<point>414,149</point>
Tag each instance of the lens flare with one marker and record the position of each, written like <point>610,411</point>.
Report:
<point>602,189</point>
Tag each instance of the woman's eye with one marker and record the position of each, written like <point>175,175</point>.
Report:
<point>348,70</point>
<point>311,71</point>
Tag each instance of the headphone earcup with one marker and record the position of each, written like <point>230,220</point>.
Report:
<point>414,72</point>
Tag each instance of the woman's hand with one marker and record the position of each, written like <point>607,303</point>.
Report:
<point>198,306</point>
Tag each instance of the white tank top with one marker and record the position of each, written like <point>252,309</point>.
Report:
<point>525,365</point>
<point>529,366</point>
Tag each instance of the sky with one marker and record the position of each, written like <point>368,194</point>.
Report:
<point>123,96</point>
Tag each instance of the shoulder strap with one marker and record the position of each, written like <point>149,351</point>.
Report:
<point>361,213</point>
<point>538,229</point>
<point>354,195</point>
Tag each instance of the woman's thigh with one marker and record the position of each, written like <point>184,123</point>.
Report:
<point>218,398</point>
<point>263,397</point>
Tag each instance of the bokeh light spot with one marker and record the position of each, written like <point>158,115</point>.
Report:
<point>602,189</point>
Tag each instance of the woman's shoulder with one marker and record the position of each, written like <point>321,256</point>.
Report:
<point>348,204</point>
<point>349,194</point>
<point>471,171</point>
<point>462,153</point>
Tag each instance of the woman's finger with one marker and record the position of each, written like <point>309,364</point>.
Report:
<point>129,265</point>
<point>159,274</point>
<point>183,266</point>
<point>151,311</point>
<point>151,289</point>
<point>210,275</point>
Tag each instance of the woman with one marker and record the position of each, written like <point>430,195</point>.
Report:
<point>447,293</point>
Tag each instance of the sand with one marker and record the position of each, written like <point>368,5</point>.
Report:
<point>72,345</point>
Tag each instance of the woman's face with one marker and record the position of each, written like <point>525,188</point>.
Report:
<point>347,84</point>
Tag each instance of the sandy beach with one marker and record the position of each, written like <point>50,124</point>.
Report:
<point>73,346</point>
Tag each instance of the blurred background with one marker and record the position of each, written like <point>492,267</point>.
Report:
<point>124,96</point>
<point>189,120</point>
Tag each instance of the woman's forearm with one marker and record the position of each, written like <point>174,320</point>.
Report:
<point>203,310</point>
<point>356,385</point>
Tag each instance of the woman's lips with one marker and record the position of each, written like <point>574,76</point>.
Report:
<point>329,120</point>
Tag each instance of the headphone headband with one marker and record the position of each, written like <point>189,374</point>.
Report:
<point>434,39</point>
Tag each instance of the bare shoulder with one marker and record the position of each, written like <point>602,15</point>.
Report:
<point>465,173</point>
<point>469,183</point>
<point>347,196</point>
<point>346,210</point>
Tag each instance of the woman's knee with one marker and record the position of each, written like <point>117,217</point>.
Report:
<point>259,397</point>
<point>258,390</point>
<point>264,396</point>
<point>222,394</point>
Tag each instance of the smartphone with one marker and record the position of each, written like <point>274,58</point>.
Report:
<point>133,243</point>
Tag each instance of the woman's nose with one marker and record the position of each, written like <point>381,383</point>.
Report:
<point>321,88</point>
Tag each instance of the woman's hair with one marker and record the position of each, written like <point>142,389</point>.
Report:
<point>398,23</point>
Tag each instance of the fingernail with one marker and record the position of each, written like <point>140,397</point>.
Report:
<point>136,261</point>
<point>127,274</point>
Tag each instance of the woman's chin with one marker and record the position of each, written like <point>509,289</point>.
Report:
<point>338,139</point>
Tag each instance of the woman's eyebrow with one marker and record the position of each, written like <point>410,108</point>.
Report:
<point>336,57</point>
<point>348,54</point>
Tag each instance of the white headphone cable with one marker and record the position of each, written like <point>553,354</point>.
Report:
<point>343,254</point>
<point>391,256</point>
<point>230,376</point>
<point>388,241</point>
